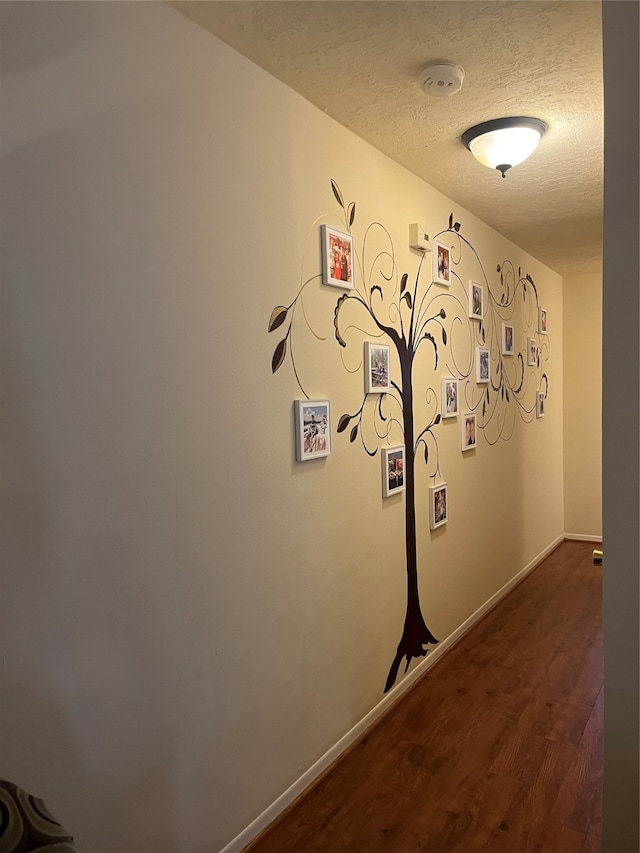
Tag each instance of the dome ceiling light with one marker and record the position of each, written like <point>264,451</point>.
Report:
<point>504,142</point>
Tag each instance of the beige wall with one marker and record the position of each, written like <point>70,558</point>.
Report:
<point>190,618</point>
<point>582,334</point>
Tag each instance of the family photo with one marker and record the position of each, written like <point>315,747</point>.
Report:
<point>376,359</point>
<point>482,364</point>
<point>312,429</point>
<point>469,431</point>
<point>337,258</point>
<point>393,470</point>
<point>438,505</point>
<point>449,398</point>
<point>475,300</point>
<point>442,262</point>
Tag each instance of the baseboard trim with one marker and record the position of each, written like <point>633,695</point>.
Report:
<point>582,537</point>
<point>250,833</point>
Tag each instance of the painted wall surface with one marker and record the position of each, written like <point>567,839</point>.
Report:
<point>582,340</point>
<point>190,618</point>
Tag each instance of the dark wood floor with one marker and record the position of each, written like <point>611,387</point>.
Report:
<point>497,748</point>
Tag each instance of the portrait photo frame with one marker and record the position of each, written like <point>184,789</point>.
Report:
<point>393,465</point>
<point>541,404</point>
<point>469,430</point>
<point>376,368</point>
<point>438,506</point>
<point>449,400</point>
<point>542,321</point>
<point>507,339</point>
<point>313,429</point>
<point>532,352</point>
<point>338,267</point>
<point>483,361</point>
<point>476,300</point>
<point>441,263</point>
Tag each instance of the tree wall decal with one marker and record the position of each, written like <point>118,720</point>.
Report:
<point>410,316</point>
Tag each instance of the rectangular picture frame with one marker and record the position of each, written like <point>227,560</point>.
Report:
<point>540,404</point>
<point>376,368</point>
<point>438,506</point>
<point>476,300</point>
<point>507,339</point>
<point>338,268</point>
<point>483,361</point>
<point>532,352</point>
<point>449,401</point>
<point>441,263</point>
<point>542,321</point>
<point>313,429</point>
<point>393,477</point>
<point>469,431</point>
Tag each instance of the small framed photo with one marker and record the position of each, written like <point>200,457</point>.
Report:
<point>540,404</point>
<point>392,471</point>
<point>476,296</point>
<point>313,429</point>
<point>449,398</point>
<point>337,258</point>
<point>438,506</point>
<point>441,264</point>
<point>532,352</point>
<point>469,431</point>
<point>482,364</point>
<point>507,339</point>
<point>376,366</point>
<point>542,321</point>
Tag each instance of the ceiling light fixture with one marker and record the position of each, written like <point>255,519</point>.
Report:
<point>504,142</point>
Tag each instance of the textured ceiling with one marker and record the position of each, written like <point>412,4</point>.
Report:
<point>359,62</point>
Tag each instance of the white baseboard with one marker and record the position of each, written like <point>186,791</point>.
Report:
<point>303,782</point>
<point>582,537</point>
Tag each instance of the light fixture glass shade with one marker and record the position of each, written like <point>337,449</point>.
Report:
<point>503,143</point>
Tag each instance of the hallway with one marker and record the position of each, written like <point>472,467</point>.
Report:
<point>497,748</point>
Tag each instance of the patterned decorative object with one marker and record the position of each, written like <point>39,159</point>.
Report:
<point>27,827</point>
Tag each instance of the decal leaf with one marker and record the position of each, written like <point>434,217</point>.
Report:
<point>354,433</point>
<point>382,417</point>
<point>444,337</point>
<point>278,355</point>
<point>437,420</point>
<point>484,407</point>
<point>377,287</point>
<point>426,453</point>
<point>487,395</point>
<point>343,423</point>
<point>456,226</point>
<point>337,193</point>
<point>451,220</point>
<point>278,316</point>
<point>507,394</point>
<point>352,213</point>
<point>407,296</point>
<point>443,313</point>
<point>403,282</point>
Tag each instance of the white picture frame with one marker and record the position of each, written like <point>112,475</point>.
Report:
<point>469,431</point>
<point>438,506</point>
<point>450,398</point>
<point>541,404</point>
<point>441,263</point>
<point>483,363</point>
<point>507,339</point>
<point>376,368</point>
<point>542,321</point>
<point>532,352</point>
<point>476,300</point>
<point>338,267</point>
<point>393,467</point>
<point>313,429</point>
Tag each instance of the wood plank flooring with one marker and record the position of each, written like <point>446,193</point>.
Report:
<point>497,748</point>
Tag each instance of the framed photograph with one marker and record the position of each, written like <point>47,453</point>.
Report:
<point>469,431</point>
<point>313,429</point>
<point>392,471</point>
<point>532,352</point>
<point>449,398</point>
<point>376,366</point>
<point>482,364</point>
<point>337,258</point>
<point>441,264</point>
<point>540,404</point>
<point>542,321</point>
<point>438,506</point>
<point>507,339</point>
<point>476,296</point>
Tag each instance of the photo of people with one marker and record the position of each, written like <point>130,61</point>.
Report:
<point>542,321</point>
<point>540,401</point>
<point>337,258</point>
<point>376,359</point>
<point>449,398</point>
<point>469,431</point>
<point>392,470</point>
<point>507,339</point>
<point>532,352</point>
<point>313,429</point>
<point>482,364</point>
<point>438,505</point>
<point>475,300</point>
<point>442,264</point>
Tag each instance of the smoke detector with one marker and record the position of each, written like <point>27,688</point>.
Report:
<point>441,79</point>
